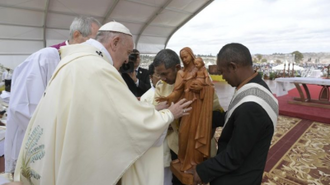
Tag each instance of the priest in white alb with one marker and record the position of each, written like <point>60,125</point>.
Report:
<point>29,82</point>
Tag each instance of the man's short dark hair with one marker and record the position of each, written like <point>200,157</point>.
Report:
<point>167,57</point>
<point>235,52</point>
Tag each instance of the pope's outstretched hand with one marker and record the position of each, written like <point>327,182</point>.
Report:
<point>180,108</point>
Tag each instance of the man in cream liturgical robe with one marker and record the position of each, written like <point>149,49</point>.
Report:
<point>28,84</point>
<point>78,138</point>
<point>149,168</point>
<point>151,164</point>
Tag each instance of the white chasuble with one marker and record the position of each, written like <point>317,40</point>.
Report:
<point>88,127</point>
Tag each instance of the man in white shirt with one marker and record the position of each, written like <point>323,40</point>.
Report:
<point>6,76</point>
<point>137,80</point>
<point>5,94</point>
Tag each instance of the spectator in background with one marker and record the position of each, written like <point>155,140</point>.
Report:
<point>142,75</point>
<point>149,95</point>
<point>6,76</point>
<point>139,82</point>
<point>5,94</point>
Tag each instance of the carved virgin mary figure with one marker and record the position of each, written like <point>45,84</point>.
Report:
<point>195,128</point>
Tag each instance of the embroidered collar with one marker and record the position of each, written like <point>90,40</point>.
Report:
<point>246,81</point>
<point>103,52</point>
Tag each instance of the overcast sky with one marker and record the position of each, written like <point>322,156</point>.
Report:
<point>264,26</point>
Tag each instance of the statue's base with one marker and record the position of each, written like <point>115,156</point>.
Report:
<point>185,178</point>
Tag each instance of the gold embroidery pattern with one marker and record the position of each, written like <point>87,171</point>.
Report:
<point>32,153</point>
<point>307,161</point>
<point>284,125</point>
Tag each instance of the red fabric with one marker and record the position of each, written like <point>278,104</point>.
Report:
<point>57,46</point>
<point>304,112</point>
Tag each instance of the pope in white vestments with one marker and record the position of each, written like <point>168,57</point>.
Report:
<point>76,137</point>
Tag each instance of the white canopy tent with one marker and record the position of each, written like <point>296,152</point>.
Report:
<point>27,26</point>
<point>287,67</point>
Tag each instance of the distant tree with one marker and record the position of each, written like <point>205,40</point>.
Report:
<point>298,56</point>
<point>263,60</point>
<point>255,60</point>
<point>278,61</point>
<point>259,56</point>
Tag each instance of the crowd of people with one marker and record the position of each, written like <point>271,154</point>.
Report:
<point>138,121</point>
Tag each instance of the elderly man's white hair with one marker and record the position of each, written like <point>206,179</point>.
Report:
<point>83,25</point>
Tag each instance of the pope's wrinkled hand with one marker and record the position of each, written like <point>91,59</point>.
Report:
<point>180,108</point>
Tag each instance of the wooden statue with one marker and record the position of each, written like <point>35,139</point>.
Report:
<point>193,83</point>
<point>202,74</point>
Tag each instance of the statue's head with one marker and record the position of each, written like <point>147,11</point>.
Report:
<point>199,63</point>
<point>187,56</point>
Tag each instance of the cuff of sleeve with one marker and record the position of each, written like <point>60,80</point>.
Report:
<point>168,114</point>
<point>202,173</point>
<point>137,83</point>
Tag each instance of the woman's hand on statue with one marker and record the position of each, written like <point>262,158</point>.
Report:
<point>162,105</point>
<point>180,108</point>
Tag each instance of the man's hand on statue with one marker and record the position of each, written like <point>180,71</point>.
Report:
<point>162,105</point>
<point>162,99</point>
<point>197,179</point>
<point>180,108</point>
